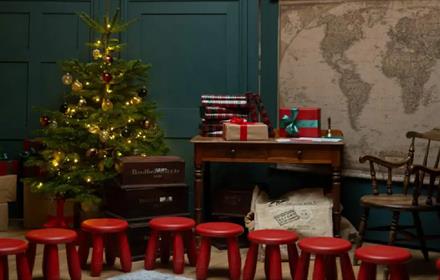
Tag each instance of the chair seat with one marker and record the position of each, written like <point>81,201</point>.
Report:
<point>51,236</point>
<point>396,201</point>
<point>272,236</point>
<point>104,225</point>
<point>172,223</point>
<point>219,229</point>
<point>324,245</point>
<point>9,246</point>
<point>382,254</point>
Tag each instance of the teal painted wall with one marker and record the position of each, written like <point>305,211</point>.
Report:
<point>194,46</point>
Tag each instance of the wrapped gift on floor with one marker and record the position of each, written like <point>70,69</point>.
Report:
<point>8,188</point>
<point>4,217</point>
<point>8,167</point>
<point>240,129</point>
<point>300,122</point>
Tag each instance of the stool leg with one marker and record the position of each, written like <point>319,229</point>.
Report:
<point>31,255</point>
<point>165,247</point>
<point>251,262</point>
<point>45,261</point>
<point>191,248</point>
<point>124,252</point>
<point>346,267</point>
<point>319,269</point>
<point>367,271</point>
<point>266,262</point>
<point>178,253</point>
<point>23,272</point>
<point>292,252</point>
<point>4,268</point>
<point>150,254</point>
<point>97,254</point>
<point>398,272</point>
<point>330,268</point>
<point>83,249</point>
<point>274,262</point>
<point>52,262</point>
<point>73,262</point>
<point>234,259</point>
<point>302,269</point>
<point>110,251</point>
<point>203,258</point>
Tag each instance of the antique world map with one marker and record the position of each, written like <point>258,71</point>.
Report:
<point>372,66</point>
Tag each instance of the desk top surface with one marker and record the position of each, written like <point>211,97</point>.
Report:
<point>289,141</point>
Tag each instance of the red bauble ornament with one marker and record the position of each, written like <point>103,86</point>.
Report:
<point>108,58</point>
<point>44,121</point>
<point>107,77</point>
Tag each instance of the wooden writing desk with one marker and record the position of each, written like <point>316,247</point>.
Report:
<point>215,149</point>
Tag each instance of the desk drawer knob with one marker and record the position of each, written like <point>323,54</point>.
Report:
<point>232,152</point>
<point>299,153</point>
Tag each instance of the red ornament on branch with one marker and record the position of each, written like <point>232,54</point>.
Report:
<point>107,77</point>
<point>44,121</point>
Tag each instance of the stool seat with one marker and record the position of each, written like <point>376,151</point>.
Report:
<point>272,236</point>
<point>219,229</point>
<point>51,235</point>
<point>9,246</point>
<point>324,245</point>
<point>382,254</point>
<point>172,223</point>
<point>104,225</point>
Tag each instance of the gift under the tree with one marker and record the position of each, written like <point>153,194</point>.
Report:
<point>300,122</point>
<point>8,167</point>
<point>240,129</point>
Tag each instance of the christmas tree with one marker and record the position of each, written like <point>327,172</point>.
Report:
<point>106,115</point>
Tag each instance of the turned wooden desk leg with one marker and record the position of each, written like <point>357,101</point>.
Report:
<point>336,192</point>
<point>198,192</point>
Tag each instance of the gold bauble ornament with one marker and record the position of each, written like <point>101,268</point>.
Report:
<point>96,53</point>
<point>82,101</point>
<point>104,136</point>
<point>106,104</point>
<point>93,128</point>
<point>67,79</point>
<point>77,86</point>
<point>101,166</point>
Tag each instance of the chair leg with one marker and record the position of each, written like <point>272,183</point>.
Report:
<point>97,254</point>
<point>178,253</point>
<point>274,257</point>
<point>110,250</point>
<point>362,229</point>
<point>31,255</point>
<point>346,267</point>
<point>83,249</point>
<point>73,262</point>
<point>52,262</point>
<point>331,272</point>
<point>319,269</point>
<point>234,259</point>
<point>203,258</point>
<point>367,271</point>
<point>4,268</point>
<point>191,248</point>
<point>398,272</point>
<point>164,247</point>
<point>23,271</point>
<point>302,269</point>
<point>420,235</point>
<point>124,252</point>
<point>292,252</point>
<point>150,254</point>
<point>393,228</point>
<point>250,264</point>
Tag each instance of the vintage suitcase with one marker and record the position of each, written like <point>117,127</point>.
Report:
<point>154,170</point>
<point>147,201</point>
<point>231,202</point>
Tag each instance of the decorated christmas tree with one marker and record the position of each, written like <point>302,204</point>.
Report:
<point>106,115</point>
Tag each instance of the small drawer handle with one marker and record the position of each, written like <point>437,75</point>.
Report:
<point>232,152</point>
<point>299,153</point>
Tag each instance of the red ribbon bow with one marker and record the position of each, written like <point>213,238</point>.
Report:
<point>243,126</point>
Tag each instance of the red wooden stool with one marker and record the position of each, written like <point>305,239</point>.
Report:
<point>50,238</point>
<point>437,264</point>
<point>325,249</point>
<point>113,232</point>
<point>229,231</point>
<point>9,246</point>
<point>178,226</point>
<point>272,238</point>
<point>393,257</point>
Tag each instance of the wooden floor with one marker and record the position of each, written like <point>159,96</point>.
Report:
<point>418,268</point>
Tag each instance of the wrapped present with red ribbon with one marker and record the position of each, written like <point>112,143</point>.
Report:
<point>300,122</point>
<point>8,167</point>
<point>241,129</point>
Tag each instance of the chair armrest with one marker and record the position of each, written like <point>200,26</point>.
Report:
<point>431,171</point>
<point>386,163</point>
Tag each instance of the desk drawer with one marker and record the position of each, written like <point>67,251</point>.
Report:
<point>237,152</point>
